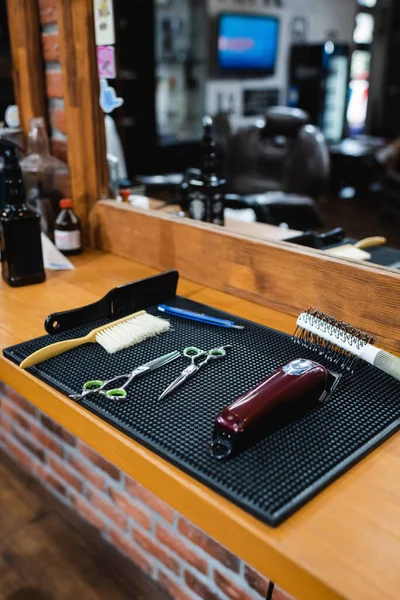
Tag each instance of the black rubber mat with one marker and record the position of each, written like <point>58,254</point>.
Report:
<point>276,476</point>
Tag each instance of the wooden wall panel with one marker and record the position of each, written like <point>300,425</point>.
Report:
<point>279,275</point>
<point>28,75</point>
<point>84,117</point>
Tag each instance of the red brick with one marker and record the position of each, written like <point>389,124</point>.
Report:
<point>175,590</point>
<point>108,509</point>
<point>199,587</point>
<point>59,149</point>
<point>51,47</point>
<point>257,582</point>
<point>58,119</point>
<point>48,11</point>
<point>22,456</point>
<point>49,478</point>
<point>86,511</point>
<point>152,548</point>
<point>179,547</point>
<point>65,474</point>
<point>140,516</point>
<point>54,84</point>
<point>138,491</point>
<point>6,424</point>
<point>100,461</point>
<point>46,440</point>
<point>127,548</point>
<point>88,473</point>
<point>201,539</point>
<point>15,416</point>
<point>20,401</point>
<point>30,445</point>
<point>58,430</point>
<point>229,588</point>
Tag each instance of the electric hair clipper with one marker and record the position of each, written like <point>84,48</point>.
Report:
<point>248,416</point>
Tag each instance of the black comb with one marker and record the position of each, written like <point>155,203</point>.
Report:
<point>118,302</point>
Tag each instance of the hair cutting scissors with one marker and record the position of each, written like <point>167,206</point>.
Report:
<point>98,386</point>
<point>194,354</point>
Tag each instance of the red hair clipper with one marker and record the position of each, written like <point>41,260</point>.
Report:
<point>247,416</point>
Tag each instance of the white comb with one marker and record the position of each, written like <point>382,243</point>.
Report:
<point>131,332</point>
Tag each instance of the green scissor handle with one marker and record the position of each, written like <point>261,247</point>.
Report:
<point>116,394</point>
<point>94,384</point>
<point>192,352</point>
<point>215,352</point>
<point>97,385</point>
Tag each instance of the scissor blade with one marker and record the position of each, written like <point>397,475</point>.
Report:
<point>172,386</point>
<point>162,360</point>
<point>155,364</point>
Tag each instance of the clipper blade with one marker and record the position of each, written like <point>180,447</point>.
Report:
<point>325,334</point>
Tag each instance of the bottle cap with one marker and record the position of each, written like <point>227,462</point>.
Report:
<point>125,194</point>
<point>66,203</point>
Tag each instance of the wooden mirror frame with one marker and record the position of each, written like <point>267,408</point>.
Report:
<point>281,275</point>
<point>27,62</point>
<point>84,118</point>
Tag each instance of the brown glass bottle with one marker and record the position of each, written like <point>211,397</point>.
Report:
<point>68,230</point>
<point>21,245</point>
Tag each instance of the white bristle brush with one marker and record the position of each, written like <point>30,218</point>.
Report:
<point>120,334</point>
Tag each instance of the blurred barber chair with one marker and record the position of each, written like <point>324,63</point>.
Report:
<point>285,155</point>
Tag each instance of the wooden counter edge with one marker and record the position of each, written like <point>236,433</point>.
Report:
<point>231,526</point>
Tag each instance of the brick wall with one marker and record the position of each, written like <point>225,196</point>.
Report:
<point>54,84</point>
<point>184,560</point>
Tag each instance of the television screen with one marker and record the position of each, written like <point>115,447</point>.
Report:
<point>247,44</point>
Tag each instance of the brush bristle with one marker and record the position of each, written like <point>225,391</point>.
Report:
<point>131,332</point>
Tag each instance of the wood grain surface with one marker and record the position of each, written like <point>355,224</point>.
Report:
<point>28,72</point>
<point>344,544</point>
<point>280,275</point>
<point>84,117</point>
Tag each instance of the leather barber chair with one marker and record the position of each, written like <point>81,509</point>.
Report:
<point>282,165</point>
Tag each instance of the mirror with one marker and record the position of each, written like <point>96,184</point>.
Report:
<point>304,100</point>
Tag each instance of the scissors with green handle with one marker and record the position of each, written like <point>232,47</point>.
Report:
<point>194,354</point>
<point>119,393</point>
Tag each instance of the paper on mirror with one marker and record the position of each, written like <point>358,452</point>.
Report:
<point>53,259</point>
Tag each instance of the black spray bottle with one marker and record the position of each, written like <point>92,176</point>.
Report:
<point>21,245</point>
<point>206,191</point>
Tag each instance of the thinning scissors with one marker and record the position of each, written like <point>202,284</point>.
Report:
<point>194,354</point>
<point>98,386</point>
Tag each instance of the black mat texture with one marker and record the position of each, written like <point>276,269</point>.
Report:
<point>280,473</point>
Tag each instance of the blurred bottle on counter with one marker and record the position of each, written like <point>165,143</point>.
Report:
<point>39,166</point>
<point>21,245</point>
<point>40,203</point>
<point>68,230</point>
<point>10,130</point>
<point>205,193</point>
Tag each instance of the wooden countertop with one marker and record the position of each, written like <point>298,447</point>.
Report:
<point>343,544</point>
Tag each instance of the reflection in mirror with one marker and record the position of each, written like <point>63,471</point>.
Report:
<point>304,101</point>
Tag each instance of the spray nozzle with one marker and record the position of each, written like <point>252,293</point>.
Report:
<point>8,150</point>
<point>207,126</point>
